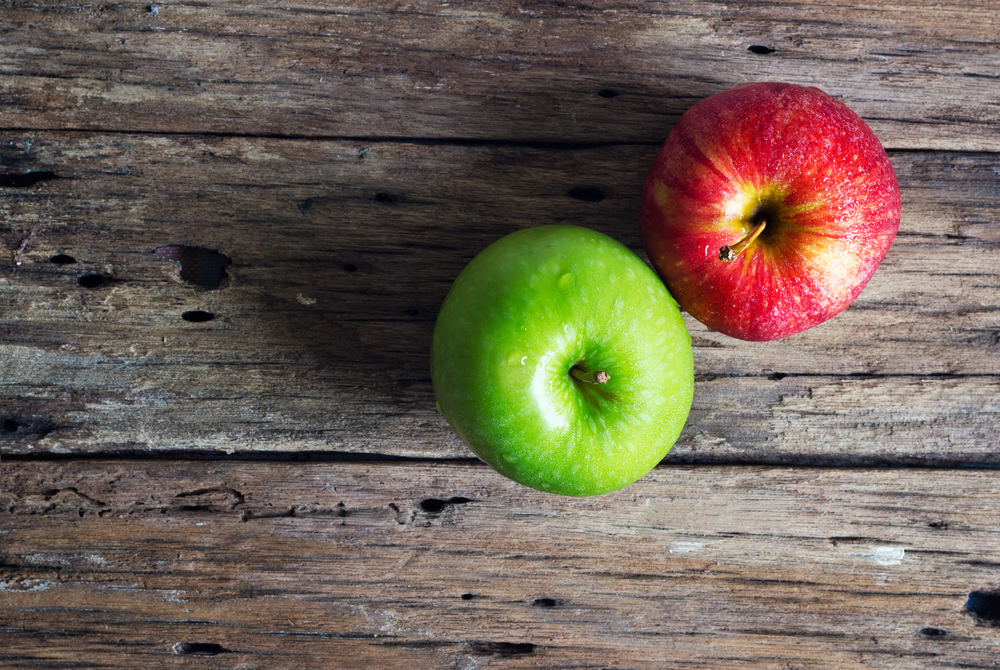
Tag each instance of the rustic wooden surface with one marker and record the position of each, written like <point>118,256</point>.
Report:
<point>831,503</point>
<point>266,565</point>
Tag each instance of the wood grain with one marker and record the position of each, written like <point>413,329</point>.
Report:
<point>341,255</point>
<point>923,74</point>
<point>349,159</point>
<point>451,566</point>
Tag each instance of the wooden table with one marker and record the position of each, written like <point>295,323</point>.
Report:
<point>242,466</point>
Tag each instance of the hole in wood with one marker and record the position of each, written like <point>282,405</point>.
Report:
<point>586,193</point>
<point>21,427</point>
<point>760,49</point>
<point>933,632</point>
<point>545,602</point>
<point>435,505</point>
<point>199,266</point>
<point>350,267</point>
<point>92,280</point>
<point>985,606</point>
<point>386,198</point>
<point>305,205</point>
<point>62,259</point>
<point>607,93</point>
<point>197,316</point>
<point>467,596</point>
<point>200,649</point>
<point>26,179</point>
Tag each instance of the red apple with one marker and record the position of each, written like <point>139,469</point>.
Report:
<point>768,209</point>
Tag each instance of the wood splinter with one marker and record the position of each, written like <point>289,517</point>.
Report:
<point>19,254</point>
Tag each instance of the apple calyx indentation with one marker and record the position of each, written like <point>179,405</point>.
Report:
<point>728,253</point>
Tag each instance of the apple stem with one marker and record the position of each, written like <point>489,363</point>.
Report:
<point>599,377</point>
<point>729,253</point>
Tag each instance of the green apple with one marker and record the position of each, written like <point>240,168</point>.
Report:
<point>561,360</point>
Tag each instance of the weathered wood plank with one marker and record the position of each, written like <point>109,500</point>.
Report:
<point>341,254</point>
<point>579,72</point>
<point>422,566</point>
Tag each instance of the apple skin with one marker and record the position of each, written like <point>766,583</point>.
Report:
<point>519,318</point>
<point>787,154</point>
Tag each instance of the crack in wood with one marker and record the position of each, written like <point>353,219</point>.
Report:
<point>239,496</point>
<point>26,179</point>
<point>502,649</point>
<point>199,649</point>
<point>298,512</point>
<point>51,493</point>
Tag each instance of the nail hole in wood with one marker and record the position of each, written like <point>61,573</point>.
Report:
<point>10,425</point>
<point>985,606</point>
<point>436,506</point>
<point>350,267</point>
<point>305,205</point>
<point>607,93</point>
<point>26,179</point>
<point>200,649</point>
<point>586,193</point>
<point>92,280</point>
<point>62,259</point>
<point>545,602</point>
<point>467,596</point>
<point>933,632</point>
<point>197,316</point>
<point>199,266</point>
<point>776,376</point>
<point>760,49</point>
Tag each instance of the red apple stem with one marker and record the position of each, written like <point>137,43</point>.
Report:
<point>729,253</point>
<point>599,377</point>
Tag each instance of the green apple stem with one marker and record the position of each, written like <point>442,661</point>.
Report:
<point>729,253</point>
<point>599,377</point>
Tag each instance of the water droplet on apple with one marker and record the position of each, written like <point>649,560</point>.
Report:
<point>516,358</point>
<point>566,282</point>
